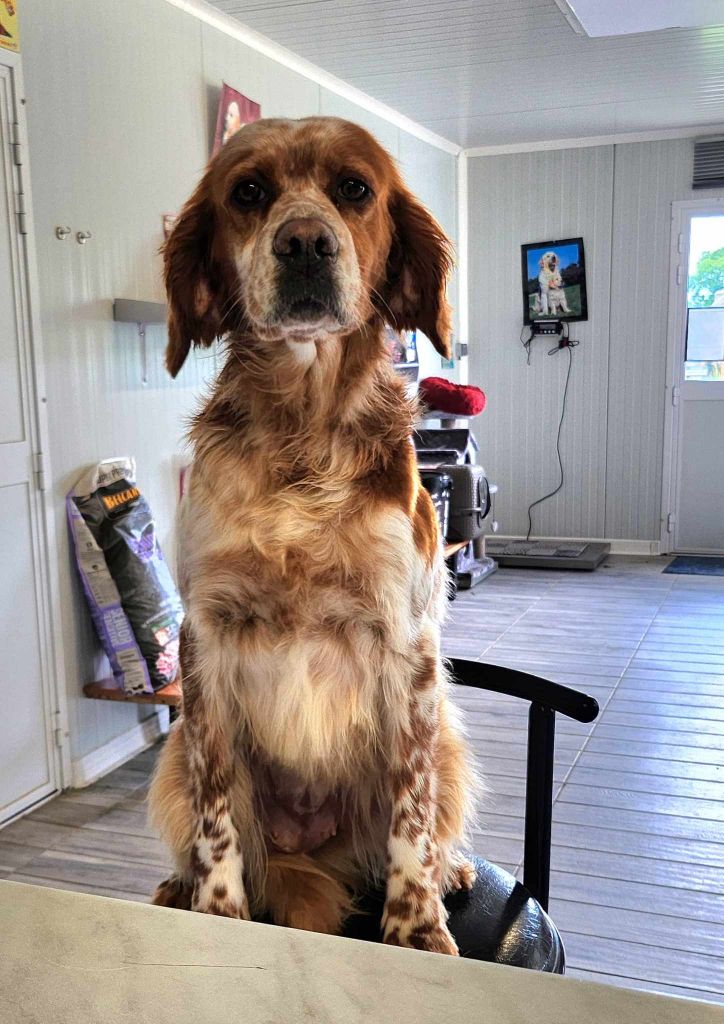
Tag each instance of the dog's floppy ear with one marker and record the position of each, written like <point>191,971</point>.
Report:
<point>419,264</point>
<point>192,281</point>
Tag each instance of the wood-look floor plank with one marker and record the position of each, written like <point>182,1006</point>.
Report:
<point>662,688</point>
<point>124,820</point>
<point>100,843</point>
<point>647,870</point>
<point>67,866</point>
<point>630,820</point>
<point>660,767</point>
<point>694,971</point>
<point>36,834</point>
<point>498,849</point>
<point>84,886</point>
<point>711,709</point>
<point>677,729</point>
<point>672,933</point>
<point>673,675</point>
<point>618,726</point>
<point>480,733</point>
<point>636,844</point>
<point>633,800</point>
<point>643,985</point>
<point>699,670</point>
<point>659,784</point>
<point>14,856</point>
<point>514,751</point>
<point>105,796</point>
<point>619,893</point>
<point>493,767</point>
<point>66,812</point>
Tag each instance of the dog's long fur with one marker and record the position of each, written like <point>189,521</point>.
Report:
<point>312,570</point>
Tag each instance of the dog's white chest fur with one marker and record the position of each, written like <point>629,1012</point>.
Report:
<point>313,626</point>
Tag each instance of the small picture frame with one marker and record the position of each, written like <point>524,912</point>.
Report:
<point>554,280</point>
<point>235,110</point>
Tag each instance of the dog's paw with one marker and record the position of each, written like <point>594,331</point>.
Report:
<point>173,892</point>
<point>220,902</point>
<point>463,875</point>
<point>431,936</point>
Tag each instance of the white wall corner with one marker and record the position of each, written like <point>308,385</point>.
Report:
<point>583,142</point>
<point>462,260</point>
<point>262,44</point>
<point>97,763</point>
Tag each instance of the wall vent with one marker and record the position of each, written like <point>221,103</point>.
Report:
<point>709,162</point>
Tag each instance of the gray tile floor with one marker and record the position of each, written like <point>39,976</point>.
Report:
<point>638,842</point>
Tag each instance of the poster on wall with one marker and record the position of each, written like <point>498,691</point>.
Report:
<point>554,280</point>
<point>9,38</point>
<point>235,111</point>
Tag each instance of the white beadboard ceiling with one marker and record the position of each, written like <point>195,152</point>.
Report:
<point>486,72</point>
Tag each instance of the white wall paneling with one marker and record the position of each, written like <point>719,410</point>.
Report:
<point>432,176</point>
<point>619,198</point>
<point>530,198</point>
<point>333,105</point>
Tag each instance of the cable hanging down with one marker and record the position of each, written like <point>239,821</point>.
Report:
<point>567,344</point>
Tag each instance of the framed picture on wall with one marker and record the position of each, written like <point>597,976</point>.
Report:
<point>554,280</point>
<point>235,110</point>
<point>9,25</point>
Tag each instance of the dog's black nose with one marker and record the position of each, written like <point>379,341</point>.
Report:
<point>305,244</point>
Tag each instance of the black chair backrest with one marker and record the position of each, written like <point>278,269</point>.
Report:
<point>546,698</point>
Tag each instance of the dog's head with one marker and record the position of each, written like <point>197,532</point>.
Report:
<point>300,230</point>
<point>549,262</point>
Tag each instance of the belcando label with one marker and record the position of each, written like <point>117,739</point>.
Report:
<point>112,501</point>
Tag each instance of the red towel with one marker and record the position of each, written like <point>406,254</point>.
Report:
<point>457,399</point>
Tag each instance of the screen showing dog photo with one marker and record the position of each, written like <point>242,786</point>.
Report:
<point>554,280</point>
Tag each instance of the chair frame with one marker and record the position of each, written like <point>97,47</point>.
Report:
<point>546,698</point>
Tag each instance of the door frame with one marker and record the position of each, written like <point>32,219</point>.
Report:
<point>45,567</point>
<point>678,258</point>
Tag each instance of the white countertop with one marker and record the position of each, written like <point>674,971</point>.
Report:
<point>70,958</point>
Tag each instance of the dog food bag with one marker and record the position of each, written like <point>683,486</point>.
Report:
<point>133,599</point>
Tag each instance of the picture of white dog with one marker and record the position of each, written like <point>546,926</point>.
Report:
<point>548,264</point>
<point>554,280</point>
<point>557,297</point>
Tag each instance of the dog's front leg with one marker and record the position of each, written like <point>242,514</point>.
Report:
<point>414,913</point>
<point>216,863</point>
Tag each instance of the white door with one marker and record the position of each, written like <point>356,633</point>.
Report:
<point>694,521</point>
<point>27,763</point>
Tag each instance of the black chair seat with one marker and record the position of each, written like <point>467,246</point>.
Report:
<point>497,921</point>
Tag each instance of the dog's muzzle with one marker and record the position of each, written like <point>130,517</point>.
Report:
<point>307,249</point>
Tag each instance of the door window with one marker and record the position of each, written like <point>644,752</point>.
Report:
<point>704,358</point>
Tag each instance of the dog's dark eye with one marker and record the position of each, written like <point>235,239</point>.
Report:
<point>248,193</point>
<point>353,190</point>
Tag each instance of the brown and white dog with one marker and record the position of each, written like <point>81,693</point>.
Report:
<point>317,752</point>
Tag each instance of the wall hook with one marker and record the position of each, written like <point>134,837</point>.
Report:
<point>62,233</point>
<point>82,237</point>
